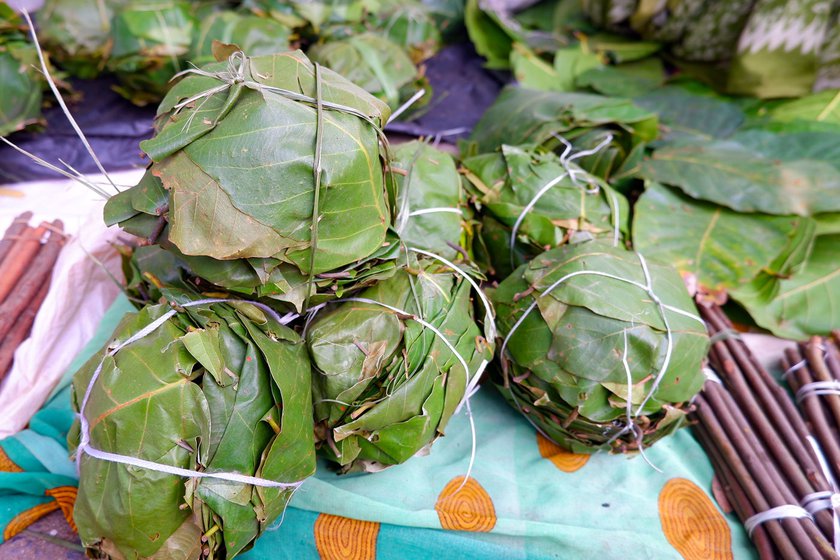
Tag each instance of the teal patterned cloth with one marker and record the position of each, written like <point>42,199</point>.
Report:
<point>526,498</point>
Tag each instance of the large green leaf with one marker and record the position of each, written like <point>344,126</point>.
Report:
<point>803,305</point>
<point>751,177</point>
<point>628,80</point>
<point>430,199</point>
<point>718,247</point>
<point>685,114</point>
<point>820,107</point>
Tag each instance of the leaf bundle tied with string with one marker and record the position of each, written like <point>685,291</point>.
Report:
<point>526,116</point>
<point>531,201</point>
<point>374,62</point>
<point>601,347</point>
<point>196,428</point>
<point>273,166</point>
<point>394,364</point>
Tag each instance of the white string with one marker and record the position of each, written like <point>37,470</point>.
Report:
<point>787,511</point>
<point>565,159</point>
<point>84,441</point>
<point>795,367</point>
<point>404,107</point>
<point>818,388</point>
<point>818,501</point>
<point>423,211</point>
<point>60,100</point>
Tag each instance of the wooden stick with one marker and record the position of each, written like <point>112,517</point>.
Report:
<point>20,331</point>
<point>805,535</point>
<point>18,226</point>
<point>735,493</point>
<point>770,410</point>
<point>19,258</point>
<point>37,274</point>
<point>820,372</point>
<point>732,457</point>
<point>818,417</point>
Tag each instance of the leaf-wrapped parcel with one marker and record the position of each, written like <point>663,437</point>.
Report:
<point>386,385</point>
<point>412,24</point>
<point>375,63</point>
<point>587,356</point>
<point>253,34</point>
<point>232,182</point>
<point>524,116</point>
<point>151,39</point>
<point>20,82</point>
<point>217,388</point>
<point>529,190</point>
<point>77,33</point>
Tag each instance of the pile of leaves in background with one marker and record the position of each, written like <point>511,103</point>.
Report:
<point>20,83</point>
<point>380,45</point>
<point>761,48</point>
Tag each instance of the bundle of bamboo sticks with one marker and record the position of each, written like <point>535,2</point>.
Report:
<point>761,450</point>
<point>27,257</point>
<point>813,373</point>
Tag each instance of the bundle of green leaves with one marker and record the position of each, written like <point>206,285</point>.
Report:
<point>531,201</point>
<point>196,429</point>
<point>269,177</point>
<point>77,33</point>
<point>151,39</point>
<point>393,364</point>
<point>615,129</point>
<point>20,83</point>
<point>601,348</point>
<point>254,35</point>
<point>375,63</point>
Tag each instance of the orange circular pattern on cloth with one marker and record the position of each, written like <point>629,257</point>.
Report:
<point>26,518</point>
<point>6,464</point>
<point>467,509</point>
<point>564,460</point>
<point>66,498</point>
<point>691,522</point>
<point>341,538</point>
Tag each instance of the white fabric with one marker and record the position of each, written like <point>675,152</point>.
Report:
<point>80,293</point>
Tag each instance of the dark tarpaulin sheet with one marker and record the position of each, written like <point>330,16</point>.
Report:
<point>461,91</point>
